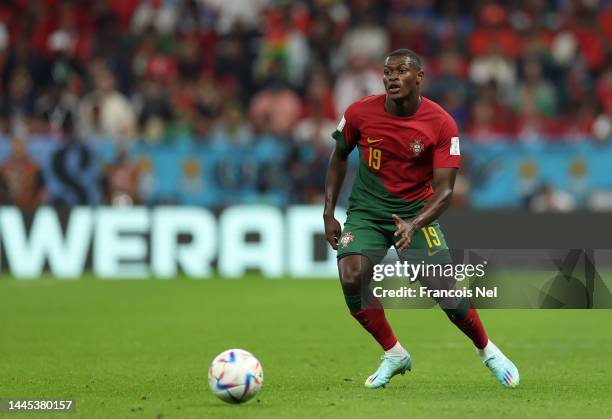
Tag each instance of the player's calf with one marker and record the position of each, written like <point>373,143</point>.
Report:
<point>466,318</point>
<point>369,314</point>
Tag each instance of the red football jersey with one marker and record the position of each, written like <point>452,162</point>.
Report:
<point>401,152</point>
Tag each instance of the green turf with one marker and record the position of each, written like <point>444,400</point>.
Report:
<point>132,349</point>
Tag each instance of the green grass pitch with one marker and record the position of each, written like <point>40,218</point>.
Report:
<point>141,349</point>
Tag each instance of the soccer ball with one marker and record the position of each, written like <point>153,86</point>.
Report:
<point>235,376</point>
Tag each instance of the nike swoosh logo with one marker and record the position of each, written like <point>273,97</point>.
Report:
<point>433,252</point>
<point>374,140</point>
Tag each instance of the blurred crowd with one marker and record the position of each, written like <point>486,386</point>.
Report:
<point>227,72</point>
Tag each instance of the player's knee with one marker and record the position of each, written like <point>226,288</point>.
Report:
<point>457,310</point>
<point>350,276</point>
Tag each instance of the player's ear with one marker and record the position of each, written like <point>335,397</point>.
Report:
<point>420,76</point>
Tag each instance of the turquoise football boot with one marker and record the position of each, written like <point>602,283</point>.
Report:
<point>389,367</point>
<point>504,370</point>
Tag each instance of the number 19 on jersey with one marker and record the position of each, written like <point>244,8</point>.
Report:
<point>374,158</point>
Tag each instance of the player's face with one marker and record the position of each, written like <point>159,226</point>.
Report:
<point>401,77</point>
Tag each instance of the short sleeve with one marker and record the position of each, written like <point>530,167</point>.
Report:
<point>346,134</point>
<point>447,152</point>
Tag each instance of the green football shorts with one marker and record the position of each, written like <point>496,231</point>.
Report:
<point>362,235</point>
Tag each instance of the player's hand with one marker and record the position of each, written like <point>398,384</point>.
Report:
<point>405,230</point>
<point>332,231</point>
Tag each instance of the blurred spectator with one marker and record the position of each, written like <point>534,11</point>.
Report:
<point>21,181</point>
<point>450,88</point>
<point>121,181</point>
<point>153,109</point>
<point>358,80</point>
<point>208,96</point>
<point>531,124</point>
<point>315,129</point>
<point>549,199</point>
<point>105,112</point>
<point>494,66</point>
<point>233,56</point>
<point>283,47</point>
<point>407,33</point>
<point>578,123</point>
<point>162,15</point>
<point>184,103</point>
<point>325,32</point>
<point>485,126</point>
<point>190,61</point>
<point>577,85</point>
<point>18,104</point>
<point>604,89</point>
<point>493,34</point>
<point>602,127</point>
<point>242,12</point>
<point>275,109</point>
<point>564,48</point>
<point>319,96</point>
<point>582,22</point>
<point>534,92</point>
<point>308,168</point>
<point>232,128</point>
<point>368,40</point>
<point>203,129</point>
<point>56,103</point>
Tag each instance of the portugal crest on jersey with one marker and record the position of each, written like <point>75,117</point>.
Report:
<point>417,147</point>
<point>346,239</point>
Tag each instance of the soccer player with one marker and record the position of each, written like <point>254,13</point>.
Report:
<point>408,158</point>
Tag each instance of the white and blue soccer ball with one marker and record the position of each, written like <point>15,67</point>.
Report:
<point>235,376</point>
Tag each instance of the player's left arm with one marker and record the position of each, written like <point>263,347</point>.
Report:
<point>446,162</point>
<point>443,184</point>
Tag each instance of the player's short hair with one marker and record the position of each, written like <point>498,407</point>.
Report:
<point>414,58</point>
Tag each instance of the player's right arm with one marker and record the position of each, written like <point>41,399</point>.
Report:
<point>346,136</point>
<point>336,172</point>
